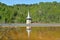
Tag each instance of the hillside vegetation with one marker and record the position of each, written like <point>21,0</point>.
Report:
<point>44,12</point>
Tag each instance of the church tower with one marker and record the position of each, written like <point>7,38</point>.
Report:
<point>28,19</point>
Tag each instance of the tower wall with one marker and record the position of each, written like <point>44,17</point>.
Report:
<point>28,21</point>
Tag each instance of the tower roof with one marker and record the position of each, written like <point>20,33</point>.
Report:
<point>28,16</point>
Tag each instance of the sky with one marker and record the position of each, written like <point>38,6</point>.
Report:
<point>12,2</point>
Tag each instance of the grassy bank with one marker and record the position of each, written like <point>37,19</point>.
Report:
<point>37,33</point>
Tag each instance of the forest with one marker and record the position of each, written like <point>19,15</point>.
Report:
<point>43,12</point>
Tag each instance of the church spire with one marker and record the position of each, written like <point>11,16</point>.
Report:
<point>28,16</point>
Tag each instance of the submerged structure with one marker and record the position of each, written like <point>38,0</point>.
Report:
<point>28,22</point>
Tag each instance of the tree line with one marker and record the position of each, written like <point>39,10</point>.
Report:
<point>43,12</point>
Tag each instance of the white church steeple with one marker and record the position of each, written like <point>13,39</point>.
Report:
<point>28,16</point>
<point>28,19</point>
